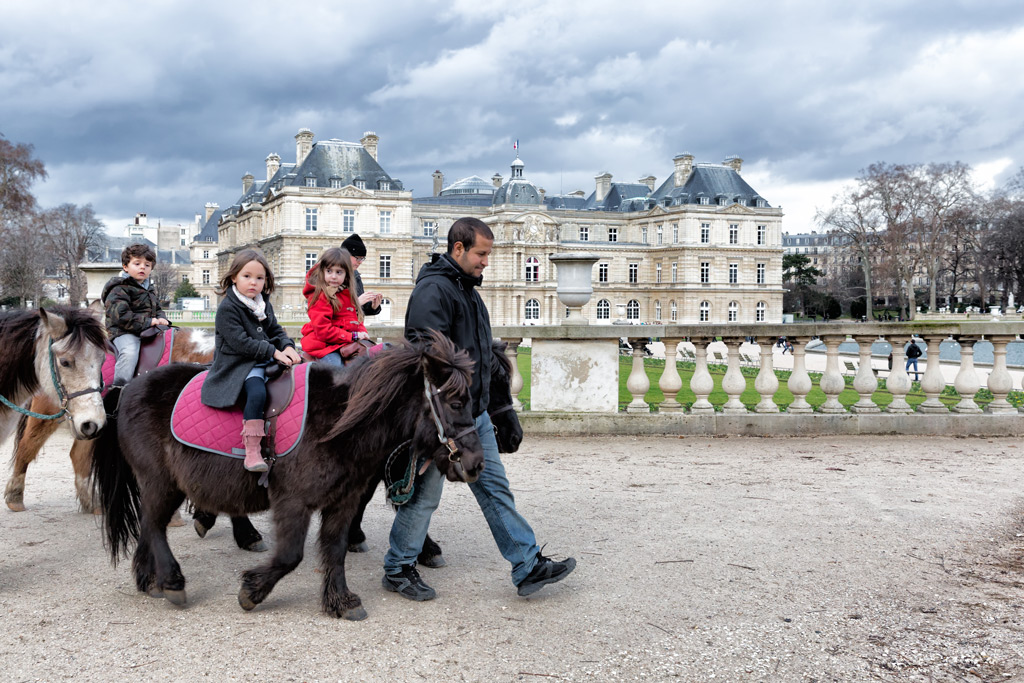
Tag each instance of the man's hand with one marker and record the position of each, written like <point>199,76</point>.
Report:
<point>375,297</point>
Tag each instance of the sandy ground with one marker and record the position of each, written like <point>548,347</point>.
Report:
<point>732,559</point>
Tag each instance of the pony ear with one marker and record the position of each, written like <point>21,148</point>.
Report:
<point>97,309</point>
<point>54,323</point>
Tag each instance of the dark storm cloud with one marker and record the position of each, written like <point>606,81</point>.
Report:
<point>162,109</point>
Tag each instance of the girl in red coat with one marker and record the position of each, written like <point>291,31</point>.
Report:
<point>335,317</point>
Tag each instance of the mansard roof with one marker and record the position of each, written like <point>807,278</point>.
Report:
<point>707,180</point>
<point>209,231</point>
<point>347,161</point>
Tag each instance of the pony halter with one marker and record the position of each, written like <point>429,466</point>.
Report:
<point>62,393</point>
<point>449,442</point>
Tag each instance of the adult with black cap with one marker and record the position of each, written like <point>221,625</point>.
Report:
<point>370,301</point>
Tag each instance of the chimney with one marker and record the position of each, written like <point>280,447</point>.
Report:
<point>649,182</point>
<point>438,183</point>
<point>684,166</point>
<point>370,141</point>
<point>211,208</point>
<point>273,163</point>
<point>734,162</point>
<point>140,219</point>
<point>497,180</point>
<point>604,185</point>
<point>303,144</point>
<point>247,183</point>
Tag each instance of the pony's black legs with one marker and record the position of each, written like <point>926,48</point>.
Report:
<point>203,521</point>
<point>291,522</point>
<point>153,555</point>
<point>356,537</point>
<point>337,600</point>
<point>246,535</point>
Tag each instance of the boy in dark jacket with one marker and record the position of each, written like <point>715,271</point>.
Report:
<point>131,308</point>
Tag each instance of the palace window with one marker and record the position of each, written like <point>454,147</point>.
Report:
<point>705,311</point>
<point>613,234</point>
<point>643,235</point>
<point>429,228</point>
<point>206,277</point>
<point>348,220</point>
<point>602,272</point>
<point>675,233</point>
<point>310,182</point>
<point>705,272</point>
<point>657,273</point>
<point>385,222</point>
<point>532,269</point>
<point>634,272</point>
<point>760,273</point>
<point>311,220</point>
<point>584,233</point>
<point>734,273</point>
<point>336,183</point>
<point>761,309</point>
<point>675,272</point>
<point>673,310</point>
<point>532,311</point>
<point>206,253</point>
<point>360,184</point>
<point>734,233</point>
<point>657,311</point>
<point>604,310</point>
<point>633,310</point>
<point>705,233</point>
<point>762,234</point>
<point>385,266</point>
<point>734,311</point>
<point>311,257</point>
<point>660,235</point>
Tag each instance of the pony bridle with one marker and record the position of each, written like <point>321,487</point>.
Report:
<point>62,393</point>
<point>449,442</point>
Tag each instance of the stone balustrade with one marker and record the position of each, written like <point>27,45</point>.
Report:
<point>575,369</point>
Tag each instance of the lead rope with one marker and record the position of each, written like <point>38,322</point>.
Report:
<point>57,386</point>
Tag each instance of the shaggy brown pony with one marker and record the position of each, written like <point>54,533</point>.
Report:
<point>354,421</point>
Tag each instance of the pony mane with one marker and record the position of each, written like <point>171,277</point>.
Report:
<point>83,327</point>
<point>18,341</point>
<point>498,349</point>
<point>380,381</point>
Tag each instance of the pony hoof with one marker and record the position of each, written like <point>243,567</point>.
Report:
<point>175,597</point>
<point>200,528</point>
<point>16,506</point>
<point>355,614</point>
<point>154,592</point>
<point>259,546</point>
<point>245,601</point>
<point>434,561</point>
<point>363,547</point>
<point>176,520</point>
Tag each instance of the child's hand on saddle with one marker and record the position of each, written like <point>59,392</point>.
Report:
<point>161,321</point>
<point>362,335</point>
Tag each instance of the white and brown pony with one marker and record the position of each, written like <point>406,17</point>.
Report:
<point>190,346</point>
<point>56,353</point>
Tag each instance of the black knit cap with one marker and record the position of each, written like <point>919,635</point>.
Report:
<point>354,244</point>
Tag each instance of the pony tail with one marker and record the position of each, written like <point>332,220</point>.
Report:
<point>115,486</point>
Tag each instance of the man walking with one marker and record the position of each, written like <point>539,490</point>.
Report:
<point>913,353</point>
<point>445,299</point>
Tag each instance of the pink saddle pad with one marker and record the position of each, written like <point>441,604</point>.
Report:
<point>111,360</point>
<point>219,430</point>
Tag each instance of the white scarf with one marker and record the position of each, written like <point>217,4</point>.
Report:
<point>258,306</point>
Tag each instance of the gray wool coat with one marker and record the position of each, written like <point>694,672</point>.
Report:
<point>240,342</point>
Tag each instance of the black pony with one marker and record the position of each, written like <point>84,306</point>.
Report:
<point>507,430</point>
<point>354,420</point>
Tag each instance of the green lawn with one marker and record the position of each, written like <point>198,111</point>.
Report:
<point>750,397</point>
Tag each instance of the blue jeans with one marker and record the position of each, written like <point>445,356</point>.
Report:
<point>907,368</point>
<point>127,346</point>
<point>512,533</point>
<point>333,358</point>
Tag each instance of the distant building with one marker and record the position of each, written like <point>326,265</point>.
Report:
<point>703,246</point>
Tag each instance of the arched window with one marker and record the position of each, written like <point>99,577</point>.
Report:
<point>633,310</point>
<point>657,311</point>
<point>532,269</point>
<point>385,311</point>
<point>604,310</point>
<point>705,311</point>
<point>532,310</point>
<point>734,311</point>
<point>762,307</point>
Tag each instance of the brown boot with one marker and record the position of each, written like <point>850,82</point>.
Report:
<point>252,434</point>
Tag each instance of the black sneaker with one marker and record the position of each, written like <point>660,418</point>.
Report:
<point>544,572</point>
<point>408,584</point>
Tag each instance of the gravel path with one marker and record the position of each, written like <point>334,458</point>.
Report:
<point>733,559</point>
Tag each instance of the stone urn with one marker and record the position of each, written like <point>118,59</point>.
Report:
<point>575,283</point>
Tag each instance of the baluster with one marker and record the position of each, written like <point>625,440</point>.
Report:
<point>766,383</point>
<point>865,383</point>
<point>832,382</point>
<point>670,382</point>
<point>898,381</point>
<point>701,384</point>
<point>999,381</point>
<point>799,383</point>
<point>516,381</point>
<point>933,382</point>
<point>638,383</point>
<point>733,384</point>
<point>967,381</point>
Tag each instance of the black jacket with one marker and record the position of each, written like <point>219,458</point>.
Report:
<point>368,307</point>
<point>130,306</point>
<point>913,351</point>
<point>240,342</point>
<point>445,299</point>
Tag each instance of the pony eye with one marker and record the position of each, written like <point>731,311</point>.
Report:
<point>64,363</point>
<point>456,405</point>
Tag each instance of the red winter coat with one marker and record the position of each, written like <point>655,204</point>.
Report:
<point>328,330</point>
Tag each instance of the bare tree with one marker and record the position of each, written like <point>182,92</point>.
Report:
<point>855,216</point>
<point>18,170</point>
<point>70,232</point>
<point>164,281</point>
<point>23,259</point>
<point>949,194</point>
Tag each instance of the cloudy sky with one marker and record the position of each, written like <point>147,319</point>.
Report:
<point>162,106</point>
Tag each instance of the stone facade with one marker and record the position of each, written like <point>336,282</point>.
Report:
<point>671,254</point>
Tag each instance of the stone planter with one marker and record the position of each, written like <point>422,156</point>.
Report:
<point>575,283</point>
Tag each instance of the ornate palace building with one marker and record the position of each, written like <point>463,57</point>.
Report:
<point>701,246</point>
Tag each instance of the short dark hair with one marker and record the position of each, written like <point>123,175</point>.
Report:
<point>243,258</point>
<point>143,251</point>
<point>465,230</point>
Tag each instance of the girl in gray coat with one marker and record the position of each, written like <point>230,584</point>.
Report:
<point>247,340</point>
